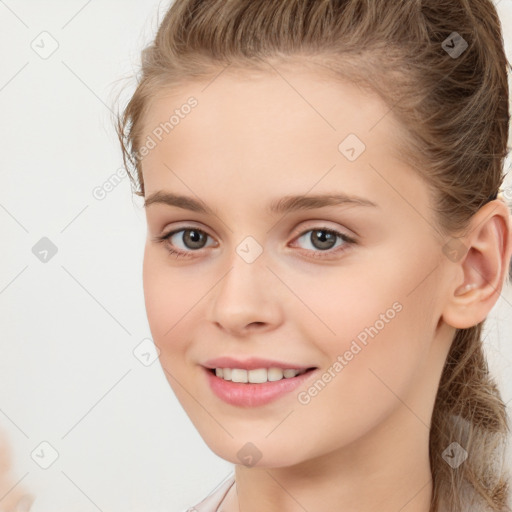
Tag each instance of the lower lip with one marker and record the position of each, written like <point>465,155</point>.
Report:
<point>252,395</point>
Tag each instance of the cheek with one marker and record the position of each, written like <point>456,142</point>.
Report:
<point>375,322</point>
<point>371,366</point>
<point>375,292</point>
<point>169,298</point>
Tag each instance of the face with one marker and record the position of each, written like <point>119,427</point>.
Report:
<point>352,287</point>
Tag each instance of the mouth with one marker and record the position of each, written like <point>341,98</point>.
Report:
<point>238,388</point>
<point>258,375</point>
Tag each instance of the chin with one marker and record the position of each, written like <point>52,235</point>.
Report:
<point>255,451</point>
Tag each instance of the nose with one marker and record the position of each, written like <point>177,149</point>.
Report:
<point>246,298</point>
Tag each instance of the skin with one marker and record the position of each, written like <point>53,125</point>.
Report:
<point>13,496</point>
<point>362,440</point>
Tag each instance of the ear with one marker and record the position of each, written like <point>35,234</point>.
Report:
<point>479,262</point>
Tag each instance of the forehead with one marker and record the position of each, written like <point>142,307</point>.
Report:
<point>273,107</point>
<point>268,126</point>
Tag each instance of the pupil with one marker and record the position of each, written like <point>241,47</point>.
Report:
<point>193,237</point>
<point>321,240</point>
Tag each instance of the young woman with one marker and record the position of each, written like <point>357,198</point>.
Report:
<point>326,236</point>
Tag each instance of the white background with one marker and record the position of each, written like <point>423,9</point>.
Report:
<point>68,374</point>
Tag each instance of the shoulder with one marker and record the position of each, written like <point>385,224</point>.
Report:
<point>214,499</point>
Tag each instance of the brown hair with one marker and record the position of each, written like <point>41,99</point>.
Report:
<point>452,102</point>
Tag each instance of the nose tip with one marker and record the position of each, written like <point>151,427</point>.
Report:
<point>245,293</point>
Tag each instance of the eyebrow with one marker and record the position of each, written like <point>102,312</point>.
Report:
<point>283,205</point>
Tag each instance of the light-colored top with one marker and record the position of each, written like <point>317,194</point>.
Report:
<point>212,501</point>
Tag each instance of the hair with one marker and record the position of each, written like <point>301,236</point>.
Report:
<point>455,113</point>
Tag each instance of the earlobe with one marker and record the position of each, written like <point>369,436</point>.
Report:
<point>480,271</point>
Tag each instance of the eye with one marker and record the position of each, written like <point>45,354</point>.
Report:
<point>192,238</point>
<point>325,239</point>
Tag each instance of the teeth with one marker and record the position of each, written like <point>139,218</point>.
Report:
<point>256,376</point>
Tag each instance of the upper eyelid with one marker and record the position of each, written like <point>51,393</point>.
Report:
<point>296,233</point>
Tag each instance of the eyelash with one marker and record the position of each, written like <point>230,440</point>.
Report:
<point>315,254</point>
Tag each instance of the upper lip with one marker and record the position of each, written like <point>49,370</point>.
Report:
<point>252,363</point>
